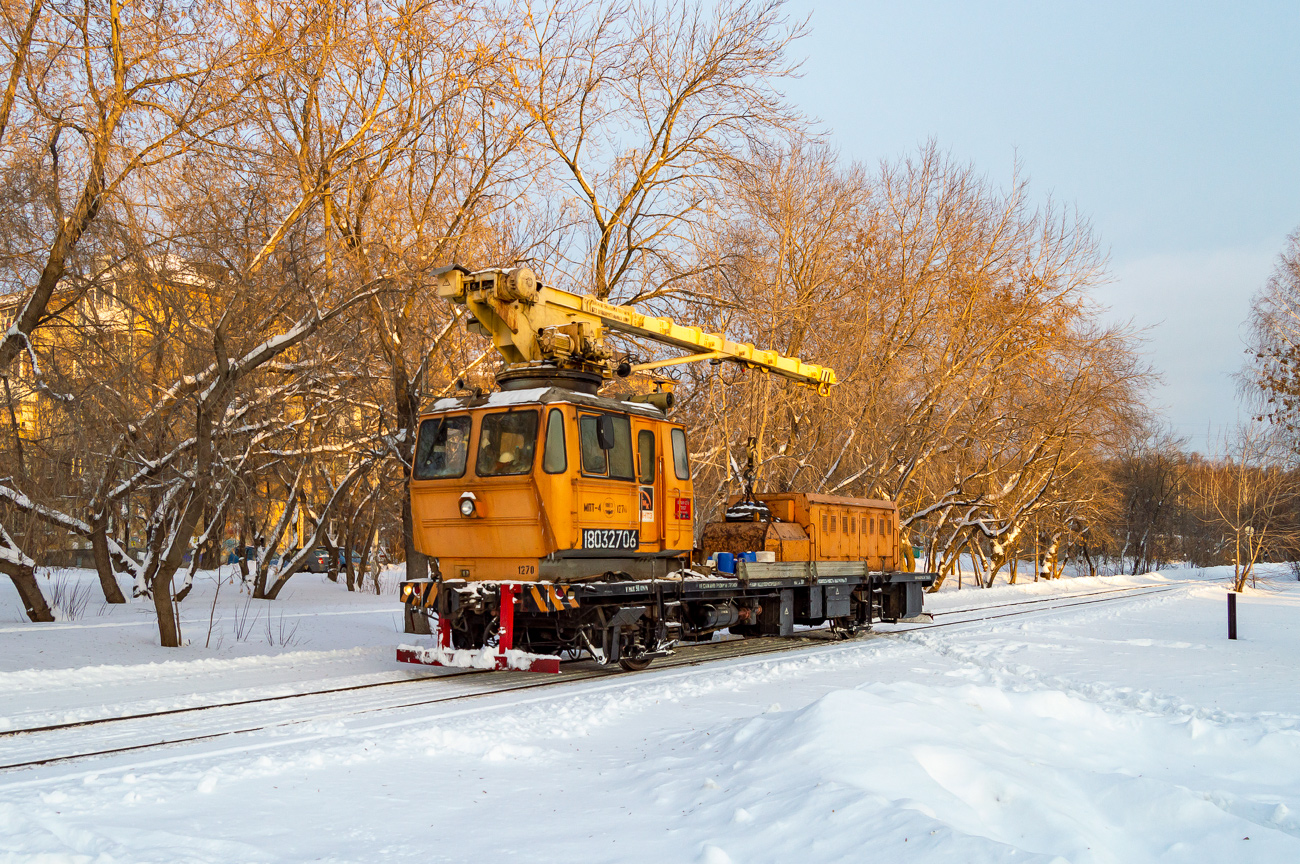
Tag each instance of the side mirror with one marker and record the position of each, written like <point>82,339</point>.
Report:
<point>605,432</point>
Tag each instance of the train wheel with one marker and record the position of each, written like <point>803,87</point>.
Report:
<point>630,665</point>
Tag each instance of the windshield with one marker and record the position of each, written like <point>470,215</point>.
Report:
<point>506,442</point>
<point>442,448</point>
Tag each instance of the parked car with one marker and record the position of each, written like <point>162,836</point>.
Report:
<point>318,561</point>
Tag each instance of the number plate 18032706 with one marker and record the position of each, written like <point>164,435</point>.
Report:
<point>628,539</point>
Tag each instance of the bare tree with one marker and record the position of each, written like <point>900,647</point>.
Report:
<point>120,90</point>
<point>977,386</point>
<point>641,105</point>
<point>1149,477</point>
<point>228,284</point>
<point>1272,378</point>
<point>455,157</point>
<point>1248,496</point>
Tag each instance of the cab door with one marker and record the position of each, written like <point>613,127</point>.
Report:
<point>605,499</point>
<point>678,504</point>
<point>649,471</point>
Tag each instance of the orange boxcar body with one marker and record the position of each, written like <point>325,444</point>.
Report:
<point>839,528</point>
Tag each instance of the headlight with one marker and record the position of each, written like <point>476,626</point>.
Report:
<point>467,506</point>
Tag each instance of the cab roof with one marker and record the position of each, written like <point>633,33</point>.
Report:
<point>544,396</point>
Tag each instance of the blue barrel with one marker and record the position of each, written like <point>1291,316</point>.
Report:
<point>751,557</point>
<point>726,562</point>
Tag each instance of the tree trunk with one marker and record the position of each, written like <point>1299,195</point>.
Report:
<point>169,630</point>
<point>365,553</point>
<point>945,559</point>
<point>239,553</point>
<point>169,548</point>
<point>23,576</point>
<point>417,563</point>
<point>280,580</point>
<point>332,573</point>
<point>189,579</point>
<point>349,544</point>
<point>259,577</point>
<point>977,566</point>
<point>15,429</point>
<point>416,622</point>
<point>103,562</point>
<point>938,582</point>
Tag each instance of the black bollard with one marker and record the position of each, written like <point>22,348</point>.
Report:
<point>1232,614</point>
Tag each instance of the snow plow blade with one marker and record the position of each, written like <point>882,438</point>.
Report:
<point>484,658</point>
<point>501,656</point>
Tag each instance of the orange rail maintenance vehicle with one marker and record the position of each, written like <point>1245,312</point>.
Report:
<point>562,520</point>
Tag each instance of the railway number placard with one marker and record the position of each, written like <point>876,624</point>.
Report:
<point>611,538</point>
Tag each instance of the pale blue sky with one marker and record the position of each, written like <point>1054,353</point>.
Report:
<point>1174,126</point>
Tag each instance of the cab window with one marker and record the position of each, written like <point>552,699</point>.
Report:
<point>614,462</point>
<point>594,459</point>
<point>645,448</point>
<point>442,448</point>
<point>555,460</point>
<point>506,442</point>
<point>680,466</point>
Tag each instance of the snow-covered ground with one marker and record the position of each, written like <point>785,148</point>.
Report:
<point>1126,731</point>
<point>108,660</point>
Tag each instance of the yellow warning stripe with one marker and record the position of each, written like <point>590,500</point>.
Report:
<point>550,598</point>
<point>420,594</point>
<point>559,601</point>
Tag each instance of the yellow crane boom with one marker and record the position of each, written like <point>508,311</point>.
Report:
<point>529,322</point>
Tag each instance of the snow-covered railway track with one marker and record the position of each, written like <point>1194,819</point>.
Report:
<point>36,746</point>
<point>66,742</point>
<point>1044,604</point>
<point>192,709</point>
